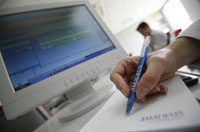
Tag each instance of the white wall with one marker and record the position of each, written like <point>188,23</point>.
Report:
<point>120,14</point>
<point>193,8</point>
<point>131,40</point>
<point>176,15</point>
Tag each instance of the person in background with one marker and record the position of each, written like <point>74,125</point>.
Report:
<point>158,39</point>
<point>161,65</point>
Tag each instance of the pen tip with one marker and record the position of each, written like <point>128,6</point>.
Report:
<point>127,113</point>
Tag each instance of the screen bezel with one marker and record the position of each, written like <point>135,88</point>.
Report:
<point>50,9</point>
<point>39,90</point>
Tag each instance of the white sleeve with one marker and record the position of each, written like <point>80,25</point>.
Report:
<point>193,31</point>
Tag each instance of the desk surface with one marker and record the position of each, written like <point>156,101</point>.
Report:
<point>75,125</point>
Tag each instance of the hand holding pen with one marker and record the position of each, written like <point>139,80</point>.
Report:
<point>160,66</point>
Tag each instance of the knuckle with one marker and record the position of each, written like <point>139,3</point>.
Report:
<point>111,76</point>
<point>150,78</point>
<point>160,59</point>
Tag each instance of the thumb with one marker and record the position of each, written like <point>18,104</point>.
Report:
<point>149,79</point>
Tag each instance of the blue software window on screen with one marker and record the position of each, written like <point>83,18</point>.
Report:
<point>40,44</point>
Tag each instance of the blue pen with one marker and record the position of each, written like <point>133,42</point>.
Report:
<point>132,96</point>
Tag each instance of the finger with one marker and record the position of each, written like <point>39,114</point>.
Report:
<point>143,100</point>
<point>131,79</point>
<point>149,79</point>
<point>159,89</point>
<point>120,83</point>
<point>122,73</point>
<point>163,89</point>
<point>167,76</point>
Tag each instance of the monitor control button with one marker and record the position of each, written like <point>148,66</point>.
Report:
<point>82,75</point>
<point>88,73</point>
<point>72,81</point>
<point>97,68</point>
<point>66,84</point>
<point>77,78</point>
<point>93,71</point>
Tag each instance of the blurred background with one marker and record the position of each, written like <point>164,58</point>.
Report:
<point>123,16</point>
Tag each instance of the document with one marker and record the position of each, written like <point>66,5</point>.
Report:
<point>177,109</point>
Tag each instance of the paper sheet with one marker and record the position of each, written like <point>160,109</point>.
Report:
<point>176,109</point>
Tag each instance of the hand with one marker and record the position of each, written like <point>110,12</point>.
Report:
<point>160,66</point>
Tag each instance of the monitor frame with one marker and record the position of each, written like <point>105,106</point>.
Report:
<point>19,102</point>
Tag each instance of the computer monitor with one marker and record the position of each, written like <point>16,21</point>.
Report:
<point>48,50</point>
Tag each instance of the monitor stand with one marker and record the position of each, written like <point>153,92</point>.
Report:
<point>85,97</point>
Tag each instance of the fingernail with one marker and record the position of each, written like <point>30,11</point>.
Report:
<point>144,99</point>
<point>158,88</point>
<point>163,89</point>
<point>142,92</point>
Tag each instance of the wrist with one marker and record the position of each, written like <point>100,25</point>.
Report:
<point>165,58</point>
<point>171,60</point>
<point>184,51</point>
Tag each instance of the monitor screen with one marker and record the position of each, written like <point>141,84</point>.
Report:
<point>39,44</point>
